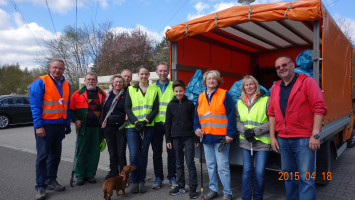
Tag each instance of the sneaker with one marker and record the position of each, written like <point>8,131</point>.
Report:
<point>80,181</point>
<point>55,186</point>
<point>227,197</point>
<point>134,188</point>
<point>41,194</point>
<point>157,184</point>
<point>211,195</point>
<point>193,195</point>
<point>176,191</point>
<point>91,180</point>
<point>142,188</point>
<point>173,183</point>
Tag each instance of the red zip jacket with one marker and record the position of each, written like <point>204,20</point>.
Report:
<point>305,101</point>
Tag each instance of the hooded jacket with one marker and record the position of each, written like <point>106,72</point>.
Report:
<point>305,101</point>
<point>179,119</point>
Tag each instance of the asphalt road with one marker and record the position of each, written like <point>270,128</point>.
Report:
<point>17,164</point>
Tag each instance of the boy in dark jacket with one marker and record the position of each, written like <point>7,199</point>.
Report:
<point>180,136</point>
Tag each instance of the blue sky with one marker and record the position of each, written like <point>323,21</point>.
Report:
<point>21,43</point>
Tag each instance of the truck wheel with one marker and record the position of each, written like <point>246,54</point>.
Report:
<point>325,158</point>
<point>351,140</point>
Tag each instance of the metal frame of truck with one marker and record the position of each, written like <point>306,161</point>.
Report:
<point>247,40</point>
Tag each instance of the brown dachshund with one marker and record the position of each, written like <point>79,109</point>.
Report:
<point>117,183</point>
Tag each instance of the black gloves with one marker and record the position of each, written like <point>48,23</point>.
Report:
<point>67,130</point>
<point>223,145</point>
<point>144,123</point>
<point>249,135</point>
<point>139,127</point>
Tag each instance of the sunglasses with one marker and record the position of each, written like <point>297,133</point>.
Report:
<point>283,65</point>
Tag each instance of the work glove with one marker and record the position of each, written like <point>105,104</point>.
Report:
<point>67,130</point>
<point>139,127</point>
<point>249,136</point>
<point>144,123</point>
<point>223,145</point>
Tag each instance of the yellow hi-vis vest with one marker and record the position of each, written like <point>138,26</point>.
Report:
<point>255,117</point>
<point>142,105</point>
<point>164,100</point>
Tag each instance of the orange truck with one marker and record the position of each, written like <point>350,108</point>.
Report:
<point>247,39</point>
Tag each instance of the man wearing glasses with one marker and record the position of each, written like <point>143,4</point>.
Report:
<point>49,99</point>
<point>296,113</point>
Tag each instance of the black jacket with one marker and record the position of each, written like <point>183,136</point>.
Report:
<point>118,114</point>
<point>180,119</point>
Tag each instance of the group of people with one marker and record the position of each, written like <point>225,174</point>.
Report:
<point>288,122</point>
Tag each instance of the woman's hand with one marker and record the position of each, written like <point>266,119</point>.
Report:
<point>169,145</point>
<point>229,139</point>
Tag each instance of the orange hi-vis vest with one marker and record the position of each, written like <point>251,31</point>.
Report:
<point>54,105</point>
<point>213,117</point>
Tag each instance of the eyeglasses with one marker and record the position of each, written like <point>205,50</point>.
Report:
<point>58,68</point>
<point>282,65</point>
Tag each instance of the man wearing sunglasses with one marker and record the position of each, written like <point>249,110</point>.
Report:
<point>296,113</point>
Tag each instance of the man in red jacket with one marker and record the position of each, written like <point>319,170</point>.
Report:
<point>296,113</point>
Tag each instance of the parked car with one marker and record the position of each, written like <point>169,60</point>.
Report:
<point>14,109</point>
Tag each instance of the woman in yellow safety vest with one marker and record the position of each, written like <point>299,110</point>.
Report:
<point>141,106</point>
<point>215,122</point>
<point>253,126</point>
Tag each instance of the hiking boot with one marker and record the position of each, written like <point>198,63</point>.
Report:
<point>91,180</point>
<point>41,194</point>
<point>80,181</point>
<point>173,183</point>
<point>157,184</point>
<point>193,194</point>
<point>142,188</point>
<point>134,188</point>
<point>176,191</point>
<point>211,195</point>
<point>55,186</point>
<point>227,197</point>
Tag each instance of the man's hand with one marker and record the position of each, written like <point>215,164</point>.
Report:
<point>78,124</point>
<point>199,132</point>
<point>275,145</point>
<point>169,145</point>
<point>196,144</point>
<point>67,130</point>
<point>314,143</point>
<point>41,132</point>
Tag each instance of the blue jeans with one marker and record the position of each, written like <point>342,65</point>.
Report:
<point>259,173</point>
<point>297,157</point>
<point>218,161</point>
<point>49,151</point>
<point>157,147</point>
<point>138,152</point>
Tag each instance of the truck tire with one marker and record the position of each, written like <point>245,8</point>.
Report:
<point>351,140</point>
<point>325,158</point>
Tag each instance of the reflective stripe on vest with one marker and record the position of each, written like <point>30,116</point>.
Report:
<point>212,117</point>
<point>142,105</point>
<point>164,100</point>
<point>255,117</point>
<point>54,105</point>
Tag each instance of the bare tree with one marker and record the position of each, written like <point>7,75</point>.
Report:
<point>78,48</point>
<point>124,50</point>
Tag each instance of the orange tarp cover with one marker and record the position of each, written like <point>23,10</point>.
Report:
<point>303,10</point>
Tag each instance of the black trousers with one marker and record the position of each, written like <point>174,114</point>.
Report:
<point>116,141</point>
<point>184,146</point>
<point>157,147</point>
